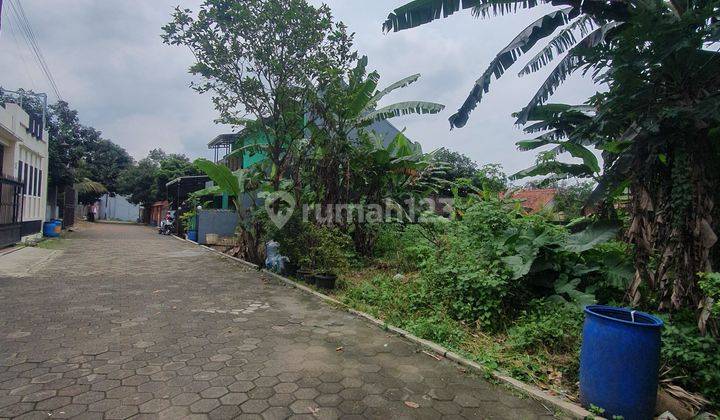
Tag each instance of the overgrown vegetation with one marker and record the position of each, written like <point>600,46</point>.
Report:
<point>501,286</point>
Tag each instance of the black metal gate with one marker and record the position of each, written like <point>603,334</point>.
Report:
<point>10,210</point>
<point>70,201</point>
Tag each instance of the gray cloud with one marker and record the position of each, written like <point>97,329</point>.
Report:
<point>109,63</point>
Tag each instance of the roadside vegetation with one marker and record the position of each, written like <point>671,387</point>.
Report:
<point>483,276</point>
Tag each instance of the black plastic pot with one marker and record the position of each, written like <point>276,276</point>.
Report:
<point>306,275</point>
<point>325,281</point>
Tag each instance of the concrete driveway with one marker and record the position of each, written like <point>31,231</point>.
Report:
<point>120,322</point>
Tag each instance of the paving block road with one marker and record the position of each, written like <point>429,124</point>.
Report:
<point>120,322</point>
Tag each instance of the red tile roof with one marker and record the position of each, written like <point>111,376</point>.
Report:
<point>534,200</point>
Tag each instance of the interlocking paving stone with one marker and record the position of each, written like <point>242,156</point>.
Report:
<point>130,324</point>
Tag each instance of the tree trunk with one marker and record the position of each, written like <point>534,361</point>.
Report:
<point>672,225</point>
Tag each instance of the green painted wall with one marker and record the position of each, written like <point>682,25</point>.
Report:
<point>251,157</point>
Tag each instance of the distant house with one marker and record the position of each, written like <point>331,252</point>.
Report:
<point>23,174</point>
<point>117,207</point>
<point>225,144</point>
<point>535,200</point>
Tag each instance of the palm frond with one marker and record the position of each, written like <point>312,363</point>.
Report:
<point>571,62</point>
<point>563,41</point>
<point>539,29</point>
<point>88,186</point>
<point>402,108</point>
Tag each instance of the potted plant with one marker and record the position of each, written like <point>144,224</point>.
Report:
<point>189,221</point>
<point>329,255</point>
<point>306,274</point>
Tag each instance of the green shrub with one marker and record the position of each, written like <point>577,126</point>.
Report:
<point>554,326</point>
<point>478,272</point>
<point>316,247</point>
<point>710,285</point>
<point>437,328</point>
<point>471,287</point>
<point>404,247</point>
<point>384,296</point>
<point>692,358</point>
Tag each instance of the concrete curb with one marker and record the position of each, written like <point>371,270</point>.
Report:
<point>567,407</point>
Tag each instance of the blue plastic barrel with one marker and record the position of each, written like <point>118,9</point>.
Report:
<point>192,235</point>
<point>619,362</point>
<point>49,230</point>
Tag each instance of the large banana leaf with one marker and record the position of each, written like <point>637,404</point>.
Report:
<point>364,87</point>
<point>214,190</point>
<point>402,108</point>
<point>221,176</point>
<point>590,237</point>
<point>563,41</point>
<point>579,151</point>
<point>397,85</point>
<point>420,12</point>
<point>522,43</point>
<point>571,62</point>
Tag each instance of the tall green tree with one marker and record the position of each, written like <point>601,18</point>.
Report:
<point>261,60</point>
<point>145,182</point>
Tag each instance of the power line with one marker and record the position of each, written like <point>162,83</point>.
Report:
<point>25,23</point>
<point>31,40</point>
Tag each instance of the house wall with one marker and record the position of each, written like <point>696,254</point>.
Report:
<point>219,222</point>
<point>251,157</point>
<point>117,208</point>
<point>25,157</point>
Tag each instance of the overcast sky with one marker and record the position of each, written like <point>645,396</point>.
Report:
<point>110,64</point>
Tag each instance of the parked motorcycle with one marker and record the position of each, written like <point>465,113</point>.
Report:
<point>166,226</point>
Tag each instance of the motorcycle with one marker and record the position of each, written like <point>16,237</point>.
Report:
<point>166,226</point>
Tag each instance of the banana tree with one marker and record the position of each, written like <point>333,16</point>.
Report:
<point>346,110</point>
<point>582,25</point>
<point>559,123</point>
<point>392,178</point>
<point>241,186</point>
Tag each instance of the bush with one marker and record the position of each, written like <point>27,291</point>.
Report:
<point>710,285</point>
<point>554,326</point>
<point>437,328</point>
<point>693,359</point>
<point>404,302</point>
<point>316,247</point>
<point>471,273</point>
<point>404,247</point>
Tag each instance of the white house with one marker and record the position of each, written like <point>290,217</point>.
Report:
<point>23,158</point>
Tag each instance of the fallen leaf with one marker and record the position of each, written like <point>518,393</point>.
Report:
<point>433,355</point>
<point>340,348</point>
<point>412,404</point>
